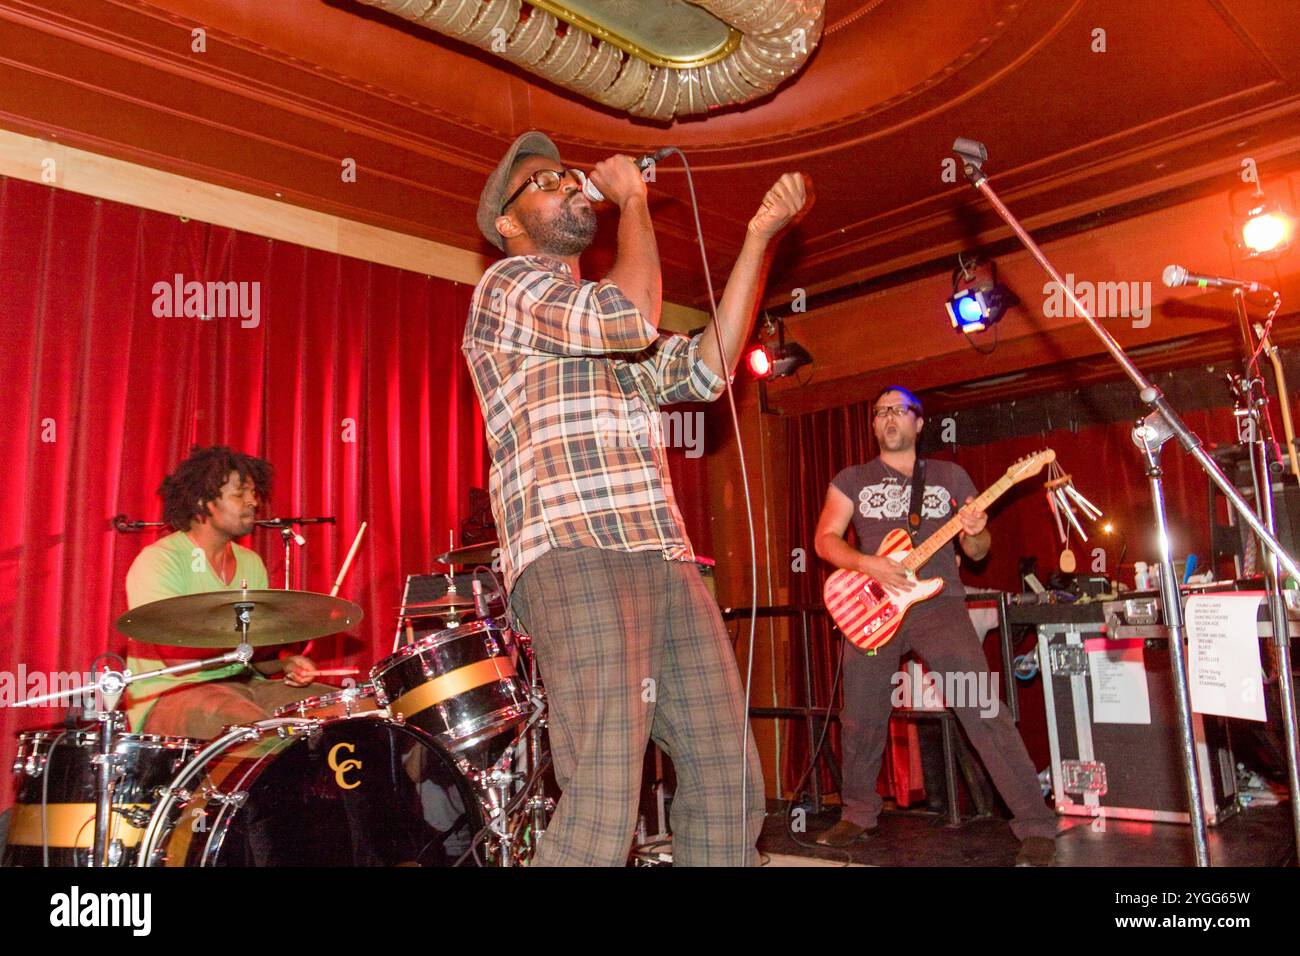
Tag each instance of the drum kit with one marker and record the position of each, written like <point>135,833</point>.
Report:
<point>438,759</point>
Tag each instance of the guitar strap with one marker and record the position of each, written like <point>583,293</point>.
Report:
<point>918,499</point>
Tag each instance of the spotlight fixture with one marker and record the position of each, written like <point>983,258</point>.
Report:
<point>759,360</point>
<point>790,359</point>
<point>1266,229</point>
<point>769,360</point>
<point>981,302</point>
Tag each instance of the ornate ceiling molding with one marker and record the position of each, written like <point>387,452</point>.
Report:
<point>657,59</point>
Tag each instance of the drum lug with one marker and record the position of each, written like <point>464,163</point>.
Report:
<point>310,728</point>
<point>236,799</point>
<point>180,797</point>
<point>116,763</point>
<point>33,766</point>
<point>138,817</point>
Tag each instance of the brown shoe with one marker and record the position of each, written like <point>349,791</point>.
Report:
<point>844,833</point>
<point>1037,851</point>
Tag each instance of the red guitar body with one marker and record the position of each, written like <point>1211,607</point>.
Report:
<point>869,615</point>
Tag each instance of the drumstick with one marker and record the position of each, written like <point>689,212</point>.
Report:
<point>338,672</point>
<point>347,562</point>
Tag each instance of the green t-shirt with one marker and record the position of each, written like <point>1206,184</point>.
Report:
<point>168,568</point>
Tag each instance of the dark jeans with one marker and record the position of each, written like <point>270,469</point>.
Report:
<point>941,634</point>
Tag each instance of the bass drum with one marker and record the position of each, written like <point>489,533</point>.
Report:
<point>359,791</point>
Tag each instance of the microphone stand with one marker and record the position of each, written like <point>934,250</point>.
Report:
<point>290,535</point>
<point>1252,406</point>
<point>1151,434</point>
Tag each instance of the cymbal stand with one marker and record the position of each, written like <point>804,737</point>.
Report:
<point>109,687</point>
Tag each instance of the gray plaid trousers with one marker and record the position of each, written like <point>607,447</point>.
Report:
<point>632,647</point>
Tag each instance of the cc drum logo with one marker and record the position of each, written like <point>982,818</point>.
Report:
<point>344,766</point>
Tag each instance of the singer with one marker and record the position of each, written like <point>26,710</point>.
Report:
<point>596,558</point>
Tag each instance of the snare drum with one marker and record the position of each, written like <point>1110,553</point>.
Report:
<point>289,791</point>
<point>348,702</point>
<point>461,686</point>
<point>56,772</point>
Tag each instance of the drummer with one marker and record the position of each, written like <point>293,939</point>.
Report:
<point>210,499</point>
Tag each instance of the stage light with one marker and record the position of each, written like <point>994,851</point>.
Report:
<point>1267,229</point>
<point>759,361</point>
<point>981,303</point>
<point>789,359</point>
<point>772,356</point>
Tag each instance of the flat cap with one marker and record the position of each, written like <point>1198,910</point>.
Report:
<point>531,143</point>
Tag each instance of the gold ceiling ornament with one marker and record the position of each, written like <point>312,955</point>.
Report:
<point>653,58</point>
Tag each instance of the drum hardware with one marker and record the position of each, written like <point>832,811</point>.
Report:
<point>348,702</point>
<point>290,616</point>
<point>290,536</point>
<point>138,817</point>
<point>58,804</point>
<point>33,766</point>
<point>505,822</point>
<point>452,600</point>
<point>236,799</point>
<point>484,552</point>
<point>107,764</point>
<point>525,760</point>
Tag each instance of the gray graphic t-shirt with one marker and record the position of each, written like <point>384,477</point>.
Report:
<point>882,499</point>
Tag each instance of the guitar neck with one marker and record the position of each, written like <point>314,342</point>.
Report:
<point>927,549</point>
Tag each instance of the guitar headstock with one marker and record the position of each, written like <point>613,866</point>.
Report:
<point>1030,465</point>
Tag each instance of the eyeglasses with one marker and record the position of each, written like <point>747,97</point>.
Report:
<point>547,180</point>
<point>893,411</point>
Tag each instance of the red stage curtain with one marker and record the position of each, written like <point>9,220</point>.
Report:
<point>1107,468</point>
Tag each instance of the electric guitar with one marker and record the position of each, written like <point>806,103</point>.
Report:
<point>861,606</point>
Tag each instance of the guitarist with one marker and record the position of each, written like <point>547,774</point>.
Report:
<point>898,490</point>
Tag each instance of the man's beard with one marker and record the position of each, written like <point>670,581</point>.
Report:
<point>568,233</point>
<point>895,442</point>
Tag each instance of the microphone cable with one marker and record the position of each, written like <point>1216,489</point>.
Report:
<point>812,763</point>
<point>749,507</point>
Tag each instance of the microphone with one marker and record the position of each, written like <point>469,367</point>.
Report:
<point>481,606</point>
<point>1175,276</point>
<point>645,162</point>
<point>122,523</point>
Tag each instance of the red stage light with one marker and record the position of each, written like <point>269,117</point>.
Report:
<point>759,361</point>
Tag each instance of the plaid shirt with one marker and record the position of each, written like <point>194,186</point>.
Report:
<point>570,377</point>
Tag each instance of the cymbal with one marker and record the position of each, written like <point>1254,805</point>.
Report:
<point>208,619</point>
<point>447,602</point>
<point>480,553</point>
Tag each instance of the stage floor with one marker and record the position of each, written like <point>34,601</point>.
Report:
<point>1258,836</point>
